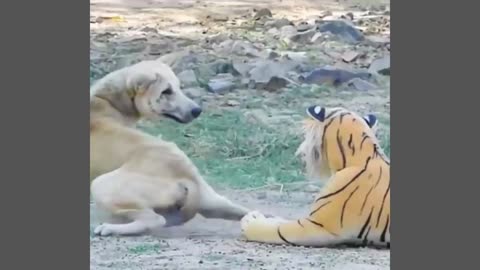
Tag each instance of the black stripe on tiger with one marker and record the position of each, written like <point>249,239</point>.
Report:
<point>332,113</point>
<point>350,144</point>
<point>363,140</point>
<point>360,234</point>
<point>365,239</point>
<point>283,238</point>
<point>299,223</point>
<point>320,207</point>
<point>382,236</point>
<point>343,115</point>
<point>383,202</point>
<point>342,151</point>
<point>368,193</point>
<point>321,225</point>
<point>345,204</point>
<point>350,182</point>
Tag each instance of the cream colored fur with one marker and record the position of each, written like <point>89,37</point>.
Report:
<point>139,179</point>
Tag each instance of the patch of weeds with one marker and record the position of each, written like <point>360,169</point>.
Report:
<point>145,248</point>
<point>229,150</point>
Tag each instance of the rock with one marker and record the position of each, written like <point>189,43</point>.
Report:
<point>194,92</point>
<point>187,77</point>
<point>274,32</point>
<point>380,66</point>
<point>361,85</point>
<point>264,12</point>
<point>303,37</point>
<point>350,56</point>
<point>334,76</point>
<point>278,23</point>
<point>149,29</point>
<point>287,31</point>
<point>238,47</point>
<point>295,56</point>
<point>232,103</point>
<point>221,83</point>
<point>345,31</point>
<point>303,26</point>
<point>311,189</point>
<point>325,13</point>
<point>217,17</point>
<point>317,37</point>
<point>217,38</point>
<point>242,67</point>
<point>274,84</point>
<point>377,40</point>
<point>266,69</point>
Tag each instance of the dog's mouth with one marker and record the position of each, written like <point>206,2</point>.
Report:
<point>177,119</point>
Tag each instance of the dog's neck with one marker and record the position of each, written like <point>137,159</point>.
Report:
<point>102,108</point>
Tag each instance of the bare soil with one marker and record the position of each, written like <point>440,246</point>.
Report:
<point>217,244</point>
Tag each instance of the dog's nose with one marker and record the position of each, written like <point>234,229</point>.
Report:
<point>196,112</point>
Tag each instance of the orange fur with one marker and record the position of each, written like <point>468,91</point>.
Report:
<point>354,205</point>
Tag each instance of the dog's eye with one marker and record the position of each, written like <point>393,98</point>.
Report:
<point>167,91</point>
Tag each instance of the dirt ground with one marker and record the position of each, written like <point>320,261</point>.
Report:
<point>216,244</point>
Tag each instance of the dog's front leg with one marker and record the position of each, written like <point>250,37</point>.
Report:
<point>214,205</point>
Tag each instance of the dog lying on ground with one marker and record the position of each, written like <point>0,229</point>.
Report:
<point>140,179</point>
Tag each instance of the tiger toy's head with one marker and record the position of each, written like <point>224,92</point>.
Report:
<point>336,138</point>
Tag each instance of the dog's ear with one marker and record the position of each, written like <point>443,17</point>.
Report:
<point>172,59</point>
<point>142,80</point>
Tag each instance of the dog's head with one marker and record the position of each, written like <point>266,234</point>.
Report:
<point>148,90</point>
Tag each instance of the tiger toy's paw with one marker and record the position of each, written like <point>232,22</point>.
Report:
<point>256,217</point>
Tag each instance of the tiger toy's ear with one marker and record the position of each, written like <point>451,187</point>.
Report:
<point>371,120</point>
<point>316,112</point>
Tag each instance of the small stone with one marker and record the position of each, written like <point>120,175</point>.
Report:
<point>221,83</point>
<point>343,30</point>
<point>334,76</point>
<point>187,77</point>
<point>242,67</point>
<point>278,23</point>
<point>274,32</point>
<point>312,188</point>
<point>275,83</point>
<point>303,26</point>
<point>380,66</point>
<point>149,29</point>
<point>194,92</point>
<point>317,37</point>
<point>361,85</point>
<point>232,103</point>
<point>303,37</point>
<point>325,13</point>
<point>217,17</point>
<point>287,31</point>
<point>264,12</point>
<point>350,56</point>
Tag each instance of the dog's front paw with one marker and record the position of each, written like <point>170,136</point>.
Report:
<point>103,230</point>
<point>251,217</point>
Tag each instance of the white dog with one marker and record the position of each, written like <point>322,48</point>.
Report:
<point>139,178</point>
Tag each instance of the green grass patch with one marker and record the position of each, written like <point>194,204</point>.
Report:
<point>145,248</point>
<point>230,151</point>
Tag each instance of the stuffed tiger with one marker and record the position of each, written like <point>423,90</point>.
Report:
<point>354,205</point>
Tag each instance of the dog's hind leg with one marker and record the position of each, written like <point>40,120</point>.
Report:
<point>143,220</point>
<point>135,197</point>
<point>214,205</point>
